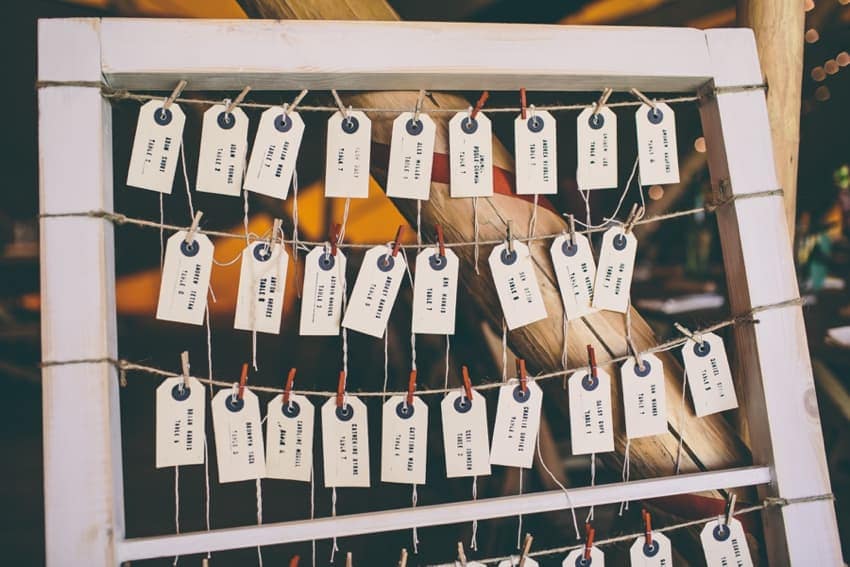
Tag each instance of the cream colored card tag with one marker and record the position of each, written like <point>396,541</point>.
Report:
<point>221,159</point>
<point>289,438</point>
<point>322,294</point>
<point>597,149</point>
<point>274,153</point>
<point>470,156</point>
<point>404,441</point>
<point>575,270</point>
<point>347,155</point>
<point>374,292</point>
<point>411,157</point>
<point>658,554</point>
<point>435,292</point>
<point>725,546</point>
<point>180,423</point>
<point>262,280</point>
<point>516,285</point>
<point>644,397</point>
<point>514,562</point>
<point>536,152</point>
<point>709,376</point>
<point>591,424</point>
<point>185,279</point>
<point>656,140</point>
<point>614,273</point>
<point>238,436</point>
<point>345,443</point>
<point>516,426</point>
<point>156,147</point>
<point>576,558</point>
<point>465,435</point>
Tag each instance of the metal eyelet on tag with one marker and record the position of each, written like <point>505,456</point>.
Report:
<point>404,410</point>
<point>721,532</point>
<point>413,127</point>
<point>702,349</point>
<point>345,413</point>
<point>522,396</point>
<point>386,263</point>
<point>463,404</point>
<point>508,257</point>
<point>234,404</point>
<point>469,125</point>
<point>620,242</point>
<point>226,120</point>
<point>282,122</point>
<point>180,392</point>
<point>437,262</point>
<point>655,116</point>
<point>290,410</point>
<point>189,249</point>
<point>596,121</point>
<point>350,124</point>
<point>163,116</point>
<point>652,549</point>
<point>535,124</point>
<point>262,253</point>
<point>643,371</point>
<point>326,261</point>
<point>589,382</point>
<point>569,248</point>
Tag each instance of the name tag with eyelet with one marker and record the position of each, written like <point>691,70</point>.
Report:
<point>644,397</point>
<point>576,558</point>
<point>224,143</point>
<point>289,438</point>
<point>185,279</point>
<point>238,436</point>
<point>465,436</point>
<point>274,153</point>
<point>709,376</point>
<point>411,157</point>
<point>470,156</point>
<point>180,423</point>
<point>597,149</point>
<point>404,441</point>
<point>435,292</point>
<point>345,443</point>
<point>347,155</point>
<point>375,292</point>
<point>725,544</point>
<point>322,293</point>
<point>156,147</point>
<point>262,280</point>
<point>536,153</point>
<point>516,285</point>
<point>516,426</point>
<point>658,153</point>
<point>591,424</point>
<point>613,284</point>
<point>659,553</point>
<point>575,270</point>
<point>514,562</point>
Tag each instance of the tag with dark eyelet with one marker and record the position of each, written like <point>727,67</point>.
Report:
<point>620,242</point>
<point>234,404</point>
<point>582,562</point>
<point>535,124</point>
<point>326,261</point>
<point>437,262</point>
<point>162,116</point>
<point>386,262</point>
<point>350,125</point>
<point>345,413</point>
<point>469,125</point>
<point>651,550</point>
<point>702,349</point>
<point>569,249</point>
<point>413,127</point>
<point>521,396</point>
<point>226,120</point>
<point>282,123</point>
<point>180,394</point>
<point>644,370</point>
<point>721,532</point>
<point>655,116</point>
<point>596,121</point>
<point>589,382</point>
<point>462,404</point>
<point>508,258</point>
<point>262,253</point>
<point>404,411</point>
<point>290,410</point>
<point>190,249</point>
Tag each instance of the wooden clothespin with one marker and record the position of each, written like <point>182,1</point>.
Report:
<point>243,379</point>
<point>643,98</point>
<point>634,215</point>
<point>169,100</point>
<point>523,106</point>
<point>440,242</point>
<point>294,561</point>
<point>231,104</point>
<point>572,221</point>
<point>348,560</point>
<point>461,556</point>
<point>411,388</point>
<point>600,103</point>
<point>588,542</point>
<point>509,237</point>
<point>730,509</point>
<point>184,365</point>
<point>402,561</point>
<point>190,234</point>
<point>340,390</point>
<point>523,377</point>
<point>696,337</point>
<point>417,110</point>
<point>526,547</point>
<point>290,107</point>
<point>287,390</point>
<point>397,241</point>
<point>647,528</point>
<point>591,360</point>
<point>479,105</point>
<point>333,237</point>
<point>467,383</point>
<point>277,235</point>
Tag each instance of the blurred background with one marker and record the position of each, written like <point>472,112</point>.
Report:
<point>679,278</point>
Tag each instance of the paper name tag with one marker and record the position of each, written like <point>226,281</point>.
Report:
<point>404,441</point>
<point>185,279</point>
<point>658,554</point>
<point>644,397</point>
<point>347,155</point>
<point>597,149</point>
<point>465,436</point>
<point>289,438</point>
<point>614,273</point>
<point>262,280</point>
<point>656,141</point>
<point>516,426</point>
<point>514,562</point>
<point>725,545</point>
<point>435,292</point>
<point>180,423</point>
<point>470,156</point>
<point>221,159</point>
<point>321,296</point>
<point>535,149</point>
<point>591,424</point>
<point>516,285</point>
<point>576,558</point>
<point>345,443</point>
<point>156,147</point>
<point>238,436</point>
<point>274,153</point>
<point>575,271</point>
<point>411,157</point>
<point>374,292</point>
<point>709,377</point>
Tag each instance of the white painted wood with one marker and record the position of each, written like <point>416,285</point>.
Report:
<point>83,491</point>
<point>440,514</point>
<point>773,363</point>
<point>267,54</point>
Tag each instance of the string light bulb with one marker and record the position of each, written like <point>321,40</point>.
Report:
<point>818,74</point>
<point>830,66</point>
<point>812,35</point>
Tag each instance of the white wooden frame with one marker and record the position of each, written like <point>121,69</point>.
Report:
<point>82,441</point>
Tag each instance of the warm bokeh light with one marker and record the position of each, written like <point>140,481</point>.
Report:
<point>818,74</point>
<point>822,94</point>
<point>656,192</point>
<point>831,67</point>
<point>699,144</point>
<point>812,35</point>
<point>808,5</point>
<point>843,59</point>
